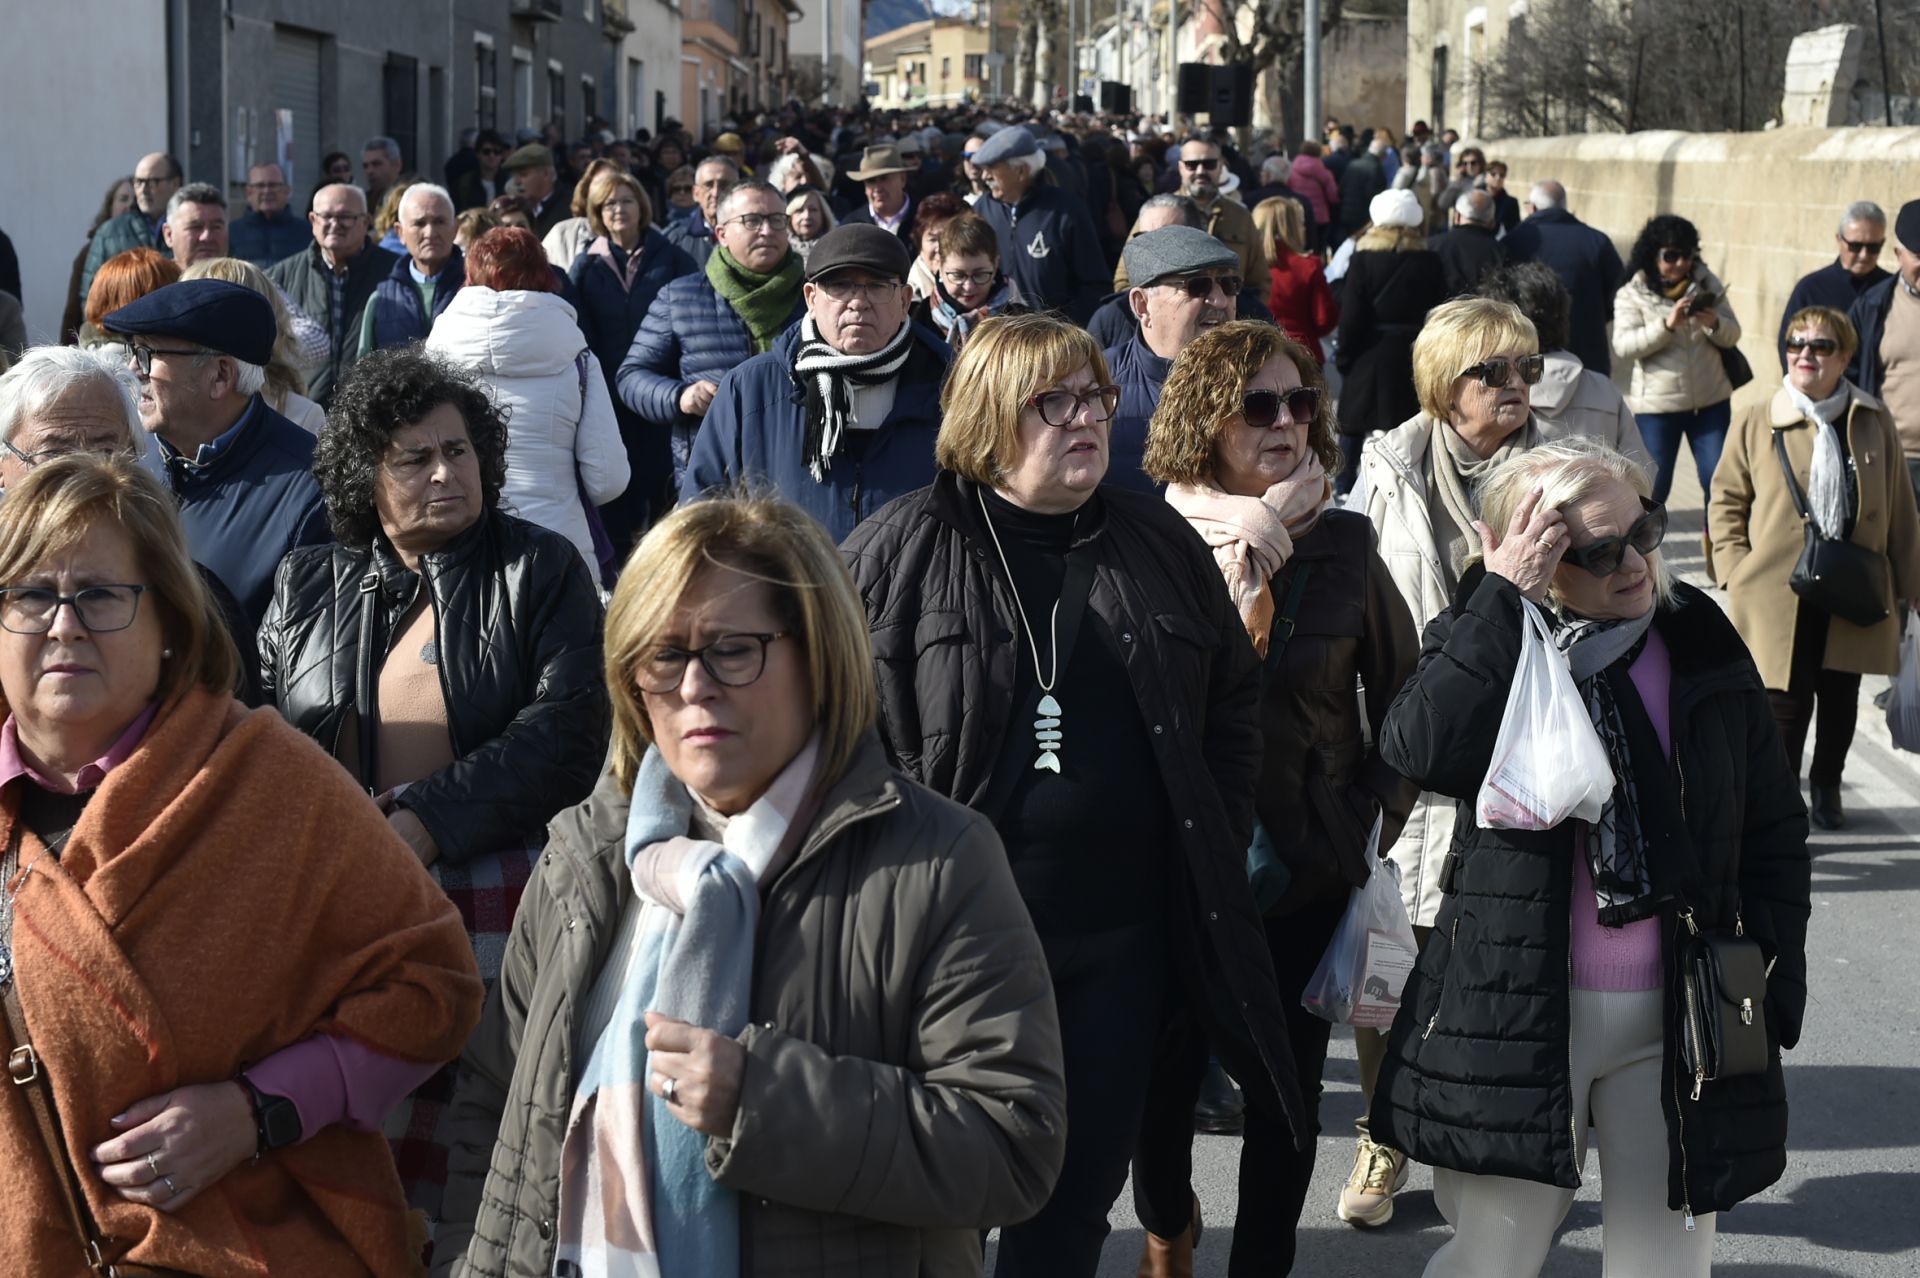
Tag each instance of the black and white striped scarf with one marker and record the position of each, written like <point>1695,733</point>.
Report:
<point>825,375</point>
<point>1616,845</point>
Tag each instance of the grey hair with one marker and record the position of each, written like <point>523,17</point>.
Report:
<point>358,190</point>
<point>248,379</point>
<point>194,193</point>
<point>1276,168</point>
<point>1475,207</point>
<point>47,374</point>
<point>1032,162</point>
<point>717,158</point>
<point>1432,151</point>
<point>1862,211</point>
<point>386,144</point>
<point>1190,214</point>
<point>752,186</point>
<point>1568,471</point>
<point>1547,194</point>
<point>422,189</point>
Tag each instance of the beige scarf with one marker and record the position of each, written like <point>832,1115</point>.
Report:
<point>1456,469</point>
<point>1252,537</point>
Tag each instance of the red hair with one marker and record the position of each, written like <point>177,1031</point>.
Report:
<point>125,278</point>
<point>510,257</point>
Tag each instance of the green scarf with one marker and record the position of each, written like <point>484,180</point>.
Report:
<point>765,302</point>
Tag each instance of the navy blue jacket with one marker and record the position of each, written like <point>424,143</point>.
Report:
<point>1139,374</point>
<point>1113,323</point>
<point>1590,267</point>
<point>244,510</point>
<point>610,312</point>
<point>399,316</point>
<point>1832,285</point>
<point>756,430</point>
<point>691,235</point>
<point>1050,247</point>
<point>266,240</point>
<point>1868,314</point>
<point>689,333</point>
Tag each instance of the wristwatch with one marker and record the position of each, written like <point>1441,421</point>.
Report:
<point>276,1120</point>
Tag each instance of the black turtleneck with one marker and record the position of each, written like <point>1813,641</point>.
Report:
<point>1090,845</point>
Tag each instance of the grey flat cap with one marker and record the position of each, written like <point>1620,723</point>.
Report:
<point>1006,144</point>
<point>1174,250</point>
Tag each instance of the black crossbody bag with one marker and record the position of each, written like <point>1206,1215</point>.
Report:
<point>1834,575</point>
<point>1723,1004</point>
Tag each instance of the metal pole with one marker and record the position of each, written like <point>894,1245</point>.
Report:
<point>1073,50</point>
<point>993,43</point>
<point>1311,115</point>
<point>1886,80</point>
<point>1173,58</point>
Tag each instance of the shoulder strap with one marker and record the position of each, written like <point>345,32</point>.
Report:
<point>363,686</point>
<point>1282,633</point>
<point>1786,468</point>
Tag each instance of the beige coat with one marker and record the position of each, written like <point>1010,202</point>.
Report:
<point>1572,399</point>
<point>1392,491</point>
<point>1673,372</point>
<point>1756,534</point>
<point>1229,222</point>
<point>902,1088</point>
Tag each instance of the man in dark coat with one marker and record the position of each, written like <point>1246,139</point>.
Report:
<point>540,186</point>
<point>242,473</point>
<point>332,280</point>
<point>889,205</point>
<point>1583,258</point>
<point>1048,242</point>
<point>476,186</point>
<point>713,179</point>
<point>1471,248</point>
<point>270,231</point>
<point>1839,284</point>
<point>406,303</point>
<point>155,179</point>
<point>1887,319</point>
<point>1363,178</point>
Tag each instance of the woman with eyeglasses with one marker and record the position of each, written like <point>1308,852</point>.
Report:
<point>1064,658</point>
<point>969,285</point>
<point>1243,438</point>
<point>1672,319</point>
<point>1846,479</point>
<point>1475,365</point>
<point>1547,1006</point>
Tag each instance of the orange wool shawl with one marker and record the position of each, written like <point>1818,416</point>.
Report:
<point>227,892</point>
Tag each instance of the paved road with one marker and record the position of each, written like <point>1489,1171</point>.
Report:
<point>1849,1205</point>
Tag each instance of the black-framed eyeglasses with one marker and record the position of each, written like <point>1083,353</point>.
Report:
<point>1201,165</point>
<point>758,222</point>
<point>961,279</point>
<point>841,289</point>
<point>1060,407</point>
<point>1673,257</point>
<point>734,661</point>
<point>143,355</point>
<point>1818,345</point>
<point>1200,287</point>
<point>1864,246</point>
<point>1261,408</point>
<point>32,459</point>
<point>1495,373</point>
<point>1602,557</point>
<point>30,610</point>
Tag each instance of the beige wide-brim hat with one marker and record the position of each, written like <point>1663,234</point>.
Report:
<point>878,161</point>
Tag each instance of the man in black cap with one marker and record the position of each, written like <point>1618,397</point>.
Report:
<point>1887,319</point>
<point>840,416</point>
<point>242,473</point>
<point>1048,242</point>
<point>532,167</point>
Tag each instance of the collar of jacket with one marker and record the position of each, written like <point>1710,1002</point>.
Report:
<point>371,260</point>
<point>182,473</point>
<point>923,373</point>
<point>1155,367</point>
<point>955,502</point>
<point>398,583</point>
<point>1554,215</point>
<point>453,274</point>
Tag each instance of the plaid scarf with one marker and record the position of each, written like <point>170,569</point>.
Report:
<point>823,373</point>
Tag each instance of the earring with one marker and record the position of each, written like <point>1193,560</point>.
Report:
<point>166,654</point>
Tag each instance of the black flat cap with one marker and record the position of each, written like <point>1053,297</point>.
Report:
<point>228,318</point>
<point>1906,226</point>
<point>860,244</point>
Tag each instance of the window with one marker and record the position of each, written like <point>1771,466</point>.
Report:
<point>523,108</point>
<point>486,92</point>
<point>976,66</point>
<point>589,99</point>
<point>946,68</point>
<point>636,95</point>
<point>557,95</point>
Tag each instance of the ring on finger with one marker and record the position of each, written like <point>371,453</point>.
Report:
<point>173,1190</point>
<point>1546,538</point>
<point>668,1088</point>
<point>153,1165</point>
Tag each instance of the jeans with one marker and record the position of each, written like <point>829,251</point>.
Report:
<point>1705,430</point>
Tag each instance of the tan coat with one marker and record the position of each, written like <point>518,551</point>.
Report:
<point>1673,372</point>
<point>1229,222</point>
<point>1756,533</point>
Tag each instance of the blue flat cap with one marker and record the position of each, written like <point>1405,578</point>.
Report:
<point>228,318</point>
<point>1174,250</point>
<point>1006,144</point>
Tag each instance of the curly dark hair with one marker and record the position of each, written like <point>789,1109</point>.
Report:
<point>1204,391</point>
<point>1662,231</point>
<point>383,392</point>
<point>1537,290</point>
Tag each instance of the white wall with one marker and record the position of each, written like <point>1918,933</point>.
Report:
<point>84,85</point>
<point>804,37</point>
<point>655,40</point>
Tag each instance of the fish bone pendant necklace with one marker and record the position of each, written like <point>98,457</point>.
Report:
<point>1046,727</point>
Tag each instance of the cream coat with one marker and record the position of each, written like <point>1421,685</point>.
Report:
<point>1672,372</point>
<point>1756,533</point>
<point>1572,399</point>
<point>1392,490</point>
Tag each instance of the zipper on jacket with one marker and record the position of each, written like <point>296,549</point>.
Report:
<point>1680,1117</point>
<point>1573,1119</point>
<point>1693,1019</point>
<point>1453,939</point>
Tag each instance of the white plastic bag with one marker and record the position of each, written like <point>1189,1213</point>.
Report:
<point>1548,763</point>
<point>1903,706</point>
<point>1360,977</point>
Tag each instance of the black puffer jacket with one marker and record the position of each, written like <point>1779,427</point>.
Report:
<point>943,625</point>
<point>1476,1077</point>
<point>517,624</point>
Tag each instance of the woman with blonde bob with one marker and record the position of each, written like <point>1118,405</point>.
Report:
<point>1064,659</point>
<point>214,1035</point>
<point>1546,1004</point>
<point>770,1007</point>
<point>1243,439</point>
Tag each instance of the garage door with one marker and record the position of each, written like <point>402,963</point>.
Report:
<point>296,88</point>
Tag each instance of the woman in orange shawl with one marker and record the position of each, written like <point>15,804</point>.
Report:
<point>220,966</point>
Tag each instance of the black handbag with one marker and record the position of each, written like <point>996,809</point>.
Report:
<point>1723,1004</point>
<point>1739,371</point>
<point>1834,575</point>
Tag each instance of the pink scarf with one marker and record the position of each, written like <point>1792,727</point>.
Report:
<point>1252,537</point>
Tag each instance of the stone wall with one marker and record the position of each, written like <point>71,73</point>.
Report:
<point>1365,73</point>
<point>1767,204</point>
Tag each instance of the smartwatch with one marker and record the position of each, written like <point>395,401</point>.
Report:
<point>276,1120</point>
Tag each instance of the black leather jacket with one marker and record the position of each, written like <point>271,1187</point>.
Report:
<point>517,624</point>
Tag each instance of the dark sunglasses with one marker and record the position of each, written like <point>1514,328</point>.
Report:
<point>1602,558</point>
<point>492,150</point>
<point>1200,164</point>
<point>1818,345</point>
<point>1495,373</point>
<point>1673,257</point>
<point>1261,408</point>
<point>1200,287</point>
<point>1865,246</point>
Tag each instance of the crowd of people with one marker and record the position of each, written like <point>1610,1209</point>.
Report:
<point>813,693</point>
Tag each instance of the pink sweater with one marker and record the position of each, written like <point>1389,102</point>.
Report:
<point>1622,959</point>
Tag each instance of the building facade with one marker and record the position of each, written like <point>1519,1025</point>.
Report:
<point>827,49</point>
<point>937,62</point>
<point>1450,43</point>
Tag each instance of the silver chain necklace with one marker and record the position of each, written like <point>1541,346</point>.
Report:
<point>1046,728</point>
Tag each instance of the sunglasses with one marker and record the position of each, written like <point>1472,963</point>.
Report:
<point>1673,257</point>
<point>1602,558</point>
<point>1261,408</point>
<point>1818,345</point>
<point>1495,373</point>
<point>1200,164</point>
<point>1865,246</point>
<point>1200,287</point>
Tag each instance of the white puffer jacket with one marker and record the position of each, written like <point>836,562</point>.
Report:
<point>1673,372</point>
<point>528,348</point>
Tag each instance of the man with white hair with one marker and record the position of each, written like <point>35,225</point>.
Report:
<point>1472,247</point>
<point>196,225</point>
<point>1860,237</point>
<point>63,399</point>
<point>405,304</point>
<point>1048,242</point>
<point>242,473</point>
<point>1583,258</point>
<point>333,278</point>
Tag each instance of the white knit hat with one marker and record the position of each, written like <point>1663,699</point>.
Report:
<point>1395,208</point>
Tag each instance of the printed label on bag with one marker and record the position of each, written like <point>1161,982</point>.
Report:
<point>1516,803</point>
<point>1388,961</point>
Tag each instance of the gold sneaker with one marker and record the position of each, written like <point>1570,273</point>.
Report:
<point>1378,1173</point>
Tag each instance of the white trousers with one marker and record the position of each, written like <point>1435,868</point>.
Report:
<point>1503,1228</point>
